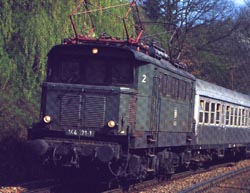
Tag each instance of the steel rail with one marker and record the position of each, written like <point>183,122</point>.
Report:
<point>205,185</point>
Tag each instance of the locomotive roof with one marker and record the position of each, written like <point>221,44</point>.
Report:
<point>122,51</point>
<point>214,91</point>
<point>162,63</point>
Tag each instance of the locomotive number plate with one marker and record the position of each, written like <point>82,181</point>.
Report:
<point>80,132</point>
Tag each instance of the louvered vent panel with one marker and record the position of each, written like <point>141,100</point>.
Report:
<point>71,110</point>
<point>132,112</point>
<point>94,111</point>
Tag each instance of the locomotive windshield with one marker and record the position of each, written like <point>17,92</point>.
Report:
<point>90,70</point>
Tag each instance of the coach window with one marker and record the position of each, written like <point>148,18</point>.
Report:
<point>243,120</point>
<point>212,113</point>
<point>232,116</point>
<point>218,112</point>
<point>248,118</point>
<point>239,116</point>
<point>201,111</point>
<point>207,108</point>
<point>235,116</point>
<point>228,115</point>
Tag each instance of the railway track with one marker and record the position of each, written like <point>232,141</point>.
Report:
<point>40,186</point>
<point>140,187</point>
<point>193,181</point>
<point>53,186</point>
<point>216,181</point>
<point>238,184</point>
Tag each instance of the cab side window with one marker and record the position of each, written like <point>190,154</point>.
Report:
<point>174,87</point>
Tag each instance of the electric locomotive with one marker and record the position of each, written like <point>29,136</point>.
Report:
<point>114,104</point>
<point>125,107</point>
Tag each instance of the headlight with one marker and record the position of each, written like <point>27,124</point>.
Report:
<point>47,119</point>
<point>111,124</point>
<point>122,132</point>
<point>95,51</point>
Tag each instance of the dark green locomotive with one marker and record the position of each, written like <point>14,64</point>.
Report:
<point>117,105</point>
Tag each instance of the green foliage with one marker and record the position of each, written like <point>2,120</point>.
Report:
<point>28,29</point>
<point>154,29</point>
<point>107,17</point>
<point>215,68</point>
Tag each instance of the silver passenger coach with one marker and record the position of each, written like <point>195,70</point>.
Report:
<point>222,116</point>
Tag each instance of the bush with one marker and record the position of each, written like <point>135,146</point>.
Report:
<point>16,113</point>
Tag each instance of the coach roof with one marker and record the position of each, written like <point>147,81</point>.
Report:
<point>214,91</point>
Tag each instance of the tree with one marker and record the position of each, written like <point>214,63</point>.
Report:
<point>224,53</point>
<point>104,18</point>
<point>208,37</point>
<point>185,16</point>
<point>240,51</point>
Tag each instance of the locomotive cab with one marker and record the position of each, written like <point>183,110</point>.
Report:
<point>84,88</point>
<point>88,103</point>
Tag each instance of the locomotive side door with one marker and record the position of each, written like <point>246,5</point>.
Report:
<point>155,107</point>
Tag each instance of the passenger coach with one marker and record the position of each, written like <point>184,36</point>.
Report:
<point>222,117</point>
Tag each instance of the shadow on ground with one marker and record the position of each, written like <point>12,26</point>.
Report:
<point>17,164</point>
